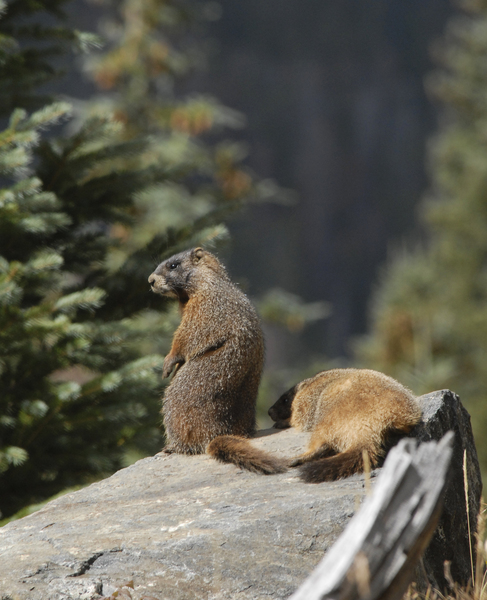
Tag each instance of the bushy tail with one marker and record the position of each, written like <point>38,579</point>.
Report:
<point>240,452</point>
<point>335,467</point>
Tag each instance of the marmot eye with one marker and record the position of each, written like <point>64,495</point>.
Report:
<point>173,266</point>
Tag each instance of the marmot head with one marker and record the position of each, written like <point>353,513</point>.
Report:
<point>281,410</point>
<point>182,274</point>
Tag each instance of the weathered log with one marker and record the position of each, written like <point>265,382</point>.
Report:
<point>376,554</point>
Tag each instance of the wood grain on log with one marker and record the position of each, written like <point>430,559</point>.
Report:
<point>375,556</point>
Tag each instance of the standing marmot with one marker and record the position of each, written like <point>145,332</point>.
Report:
<point>347,411</point>
<point>218,353</point>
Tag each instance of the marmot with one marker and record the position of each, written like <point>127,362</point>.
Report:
<point>217,353</point>
<point>347,411</point>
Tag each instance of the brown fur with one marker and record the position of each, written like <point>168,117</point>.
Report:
<point>347,411</point>
<point>217,353</point>
<point>237,450</point>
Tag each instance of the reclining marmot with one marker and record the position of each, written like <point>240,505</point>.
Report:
<point>347,411</point>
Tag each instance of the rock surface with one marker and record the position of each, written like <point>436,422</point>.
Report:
<point>443,411</point>
<point>185,527</point>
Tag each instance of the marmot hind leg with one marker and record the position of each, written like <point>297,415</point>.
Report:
<point>338,466</point>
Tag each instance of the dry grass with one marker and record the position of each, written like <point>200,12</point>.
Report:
<point>477,586</point>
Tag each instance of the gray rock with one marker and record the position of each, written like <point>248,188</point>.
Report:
<point>443,411</point>
<point>185,527</point>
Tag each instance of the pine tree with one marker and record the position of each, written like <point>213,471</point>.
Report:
<point>430,312</point>
<point>84,218</point>
<point>30,49</point>
<point>155,48</point>
<point>73,387</point>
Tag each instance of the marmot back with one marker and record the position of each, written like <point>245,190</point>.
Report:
<point>347,411</point>
<point>217,353</point>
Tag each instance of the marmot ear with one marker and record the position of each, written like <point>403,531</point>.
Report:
<point>197,254</point>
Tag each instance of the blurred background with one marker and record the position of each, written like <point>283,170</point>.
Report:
<point>334,155</point>
<point>336,111</point>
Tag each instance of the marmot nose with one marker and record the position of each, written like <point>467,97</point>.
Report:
<point>152,278</point>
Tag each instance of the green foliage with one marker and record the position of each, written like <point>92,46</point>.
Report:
<point>73,389</point>
<point>151,48</point>
<point>30,48</point>
<point>142,172</point>
<point>290,311</point>
<point>84,218</point>
<point>430,312</point>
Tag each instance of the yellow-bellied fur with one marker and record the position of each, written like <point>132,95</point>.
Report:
<point>347,411</point>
